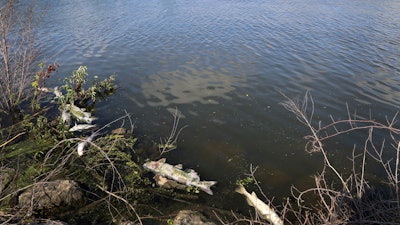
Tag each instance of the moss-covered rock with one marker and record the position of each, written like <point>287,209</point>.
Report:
<point>60,194</point>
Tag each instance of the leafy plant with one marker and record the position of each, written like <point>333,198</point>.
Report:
<point>76,92</point>
<point>39,83</point>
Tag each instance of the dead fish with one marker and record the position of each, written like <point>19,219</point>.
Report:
<point>82,144</point>
<point>81,127</point>
<point>88,119</point>
<point>66,116</point>
<point>262,209</point>
<point>189,178</point>
<point>57,92</point>
<point>76,111</point>
<point>43,89</point>
<point>80,114</point>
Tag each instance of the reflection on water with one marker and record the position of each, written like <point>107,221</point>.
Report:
<point>224,64</point>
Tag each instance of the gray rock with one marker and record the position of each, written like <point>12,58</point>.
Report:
<point>52,194</point>
<point>189,217</point>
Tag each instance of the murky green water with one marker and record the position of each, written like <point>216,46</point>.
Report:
<point>223,64</point>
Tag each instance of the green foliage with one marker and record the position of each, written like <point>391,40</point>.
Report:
<point>44,131</point>
<point>193,189</point>
<point>26,148</point>
<point>38,84</point>
<point>29,175</point>
<point>246,181</point>
<point>108,163</point>
<point>79,77</point>
<point>50,150</point>
<point>76,92</point>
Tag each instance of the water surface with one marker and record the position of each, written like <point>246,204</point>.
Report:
<point>224,65</point>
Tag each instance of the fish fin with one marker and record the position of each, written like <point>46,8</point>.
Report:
<point>179,166</point>
<point>241,189</point>
<point>209,183</point>
<point>207,190</point>
<point>163,160</point>
<point>254,194</point>
<point>250,203</point>
<point>205,186</point>
<point>193,174</point>
<point>87,114</point>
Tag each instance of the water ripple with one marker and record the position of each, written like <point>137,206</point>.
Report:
<point>225,62</point>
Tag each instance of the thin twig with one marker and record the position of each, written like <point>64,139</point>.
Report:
<point>12,139</point>
<point>122,199</point>
<point>170,143</point>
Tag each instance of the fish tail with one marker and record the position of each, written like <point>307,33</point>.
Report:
<point>241,189</point>
<point>207,190</point>
<point>206,186</point>
<point>209,183</point>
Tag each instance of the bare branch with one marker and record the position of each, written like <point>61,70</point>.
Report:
<point>357,201</point>
<point>170,143</point>
<point>17,53</point>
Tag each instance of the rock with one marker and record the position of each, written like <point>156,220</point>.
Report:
<point>53,194</point>
<point>6,175</point>
<point>189,217</point>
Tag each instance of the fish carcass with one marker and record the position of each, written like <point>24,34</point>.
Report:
<point>189,178</point>
<point>81,127</point>
<point>80,114</point>
<point>66,117</point>
<point>57,92</point>
<point>262,209</point>
<point>82,144</point>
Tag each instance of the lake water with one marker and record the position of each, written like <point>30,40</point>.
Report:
<point>224,65</point>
